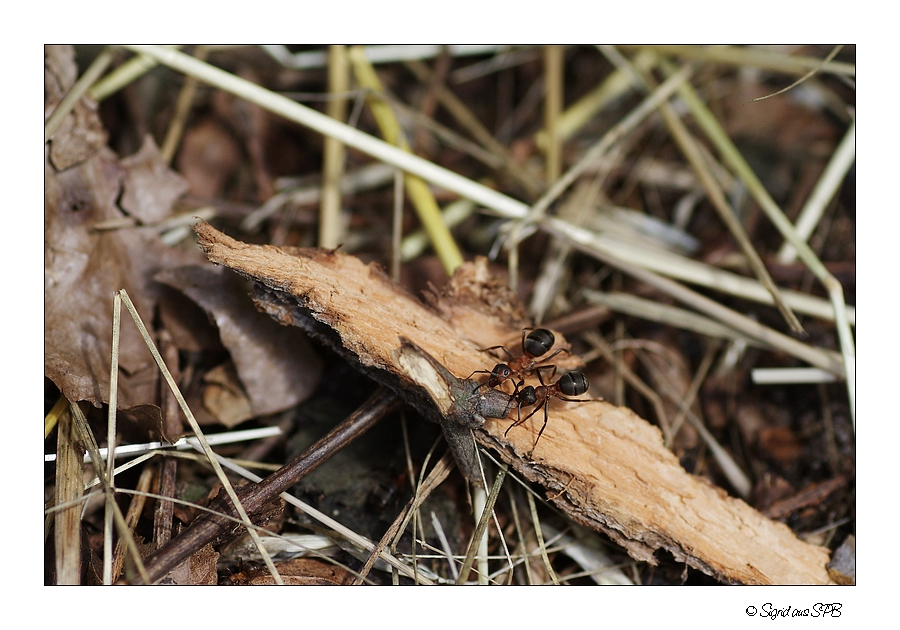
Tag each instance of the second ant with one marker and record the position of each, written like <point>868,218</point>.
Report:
<point>536,344</point>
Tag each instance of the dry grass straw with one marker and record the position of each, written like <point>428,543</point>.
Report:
<point>422,199</point>
<point>584,109</point>
<point>323,124</point>
<point>553,103</point>
<point>68,492</point>
<point>128,72</point>
<point>520,229</point>
<point>755,58</point>
<point>784,376</point>
<point>623,372</point>
<point>415,243</point>
<point>421,489</point>
<point>77,91</point>
<point>285,542</point>
<point>60,407</point>
<point>589,242</point>
<point>484,509</point>
<point>135,508</point>
<point>603,146</point>
<point>468,121</point>
<point>829,57</point>
<point>738,164</point>
<point>86,437</point>
<point>538,532</point>
<point>376,54</point>
<point>825,189</point>
<point>716,195</point>
<point>815,356</point>
<point>182,109</point>
<point>736,477</point>
<point>356,539</point>
<point>330,227</point>
<point>111,440</point>
<point>359,180</point>
<point>414,118</point>
<point>669,315</point>
<point>551,280</point>
<point>204,444</point>
<point>691,271</point>
<point>397,226</point>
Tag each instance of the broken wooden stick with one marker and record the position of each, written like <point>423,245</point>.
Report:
<point>604,466</point>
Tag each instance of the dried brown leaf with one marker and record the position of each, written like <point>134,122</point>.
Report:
<point>81,133</point>
<point>276,364</point>
<point>305,572</point>
<point>188,324</point>
<point>224,396</point>
<point>150,187</point>
<point>209,157</point>
<point>198,570</point>
<point>84,268</point>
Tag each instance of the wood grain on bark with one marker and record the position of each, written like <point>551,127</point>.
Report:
<point>602,465</point>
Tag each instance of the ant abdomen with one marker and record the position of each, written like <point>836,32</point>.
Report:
<point>538,342</point>
<point>573,383</point>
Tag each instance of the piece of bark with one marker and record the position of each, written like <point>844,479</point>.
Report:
<point>842,567</point>
<point>602,465</point>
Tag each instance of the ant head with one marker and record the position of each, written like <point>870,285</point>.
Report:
<point>526,396</point>
<point>573,384</point>
<point>538,342</point>
<point>501,372</point>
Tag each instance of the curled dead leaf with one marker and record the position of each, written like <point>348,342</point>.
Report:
<point>276,365</point>
<point>85,268</point>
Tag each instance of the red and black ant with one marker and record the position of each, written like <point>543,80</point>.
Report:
<point>536,344</point>
<point>571,384</point>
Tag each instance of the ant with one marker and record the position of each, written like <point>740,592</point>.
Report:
<point>246,571</point>
<point>536,344</point>
<point>571,384</point>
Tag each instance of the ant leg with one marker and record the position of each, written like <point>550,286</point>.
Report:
<point>540,378</point>
<point>543,426</point>
<point>545,359</point>
<point>508,353</point>
<point>552,368</point>
<point>520,419</point>
<point>575,399</point>
<point>517,388</point>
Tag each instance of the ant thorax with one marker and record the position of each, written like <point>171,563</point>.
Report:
<point>532,361</point>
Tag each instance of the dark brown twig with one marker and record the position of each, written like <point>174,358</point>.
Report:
<point>254,497</point>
